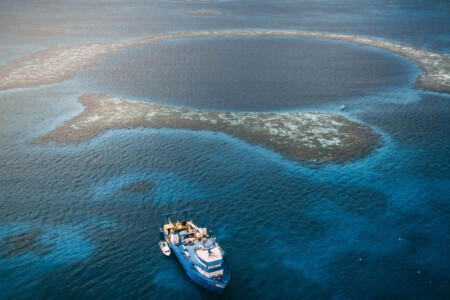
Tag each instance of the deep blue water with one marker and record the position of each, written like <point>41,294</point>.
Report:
<point>374,228</point>
<point>248,74</point>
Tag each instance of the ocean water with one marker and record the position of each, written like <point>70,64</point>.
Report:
<point>248,74</point>
<point>375,228</point>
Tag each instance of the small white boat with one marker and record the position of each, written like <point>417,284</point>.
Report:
<point>164,248</point>
<point>342,107</point>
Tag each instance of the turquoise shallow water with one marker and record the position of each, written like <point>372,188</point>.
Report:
<point>374,228</point>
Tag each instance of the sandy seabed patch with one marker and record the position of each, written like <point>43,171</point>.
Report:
<point>44,31</point>
<point>204,12</point>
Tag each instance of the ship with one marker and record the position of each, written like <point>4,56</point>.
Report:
<point>200,255</point>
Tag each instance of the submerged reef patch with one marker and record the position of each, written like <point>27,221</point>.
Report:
<point>57,64</point>
<point>138,187</point>
<point>29,251</point>
<point>307,137</point>
<point>24,241</point>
